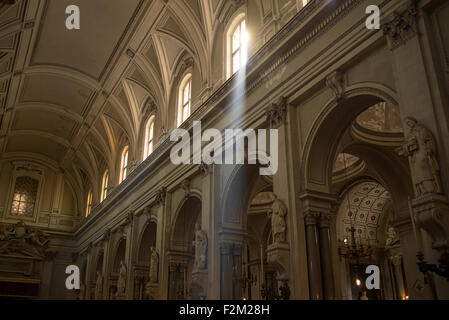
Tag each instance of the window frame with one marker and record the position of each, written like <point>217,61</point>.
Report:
<point>104,185</point>
<point>236,23</point>
<point>26,170</point>
<point>149,137</point>
<point>90,195</point>
<point>186,81</point>
<point>124,164</point>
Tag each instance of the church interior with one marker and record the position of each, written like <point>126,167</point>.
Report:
<point>86,176</point>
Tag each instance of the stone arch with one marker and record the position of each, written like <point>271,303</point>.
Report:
<point>330,126</point>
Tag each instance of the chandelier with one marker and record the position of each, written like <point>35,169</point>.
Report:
<point>352,251</point>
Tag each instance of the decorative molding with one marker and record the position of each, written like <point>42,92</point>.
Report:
<point>130,53</point>
<point>161,195</point>
<point>402,26</point>
<point>277,113</point>
<point>335,82</point>
<point>186,186</point>
<point>205,169</point>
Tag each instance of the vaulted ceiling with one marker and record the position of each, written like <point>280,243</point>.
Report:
<point>71,97</point>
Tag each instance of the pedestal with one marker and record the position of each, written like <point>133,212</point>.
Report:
<point>152,291</point>
<point>199,284</point>
<point>278,255</point>
<point>431,213</point>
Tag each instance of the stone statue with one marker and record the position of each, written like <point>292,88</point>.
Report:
<point>277,215</point>
<point>364,296</point>
<point>200,244</point>
<point>121,283</point>
<point>420,147</point>
<point>154,265</point>
<point>392,237</point>
<point>99,287</point>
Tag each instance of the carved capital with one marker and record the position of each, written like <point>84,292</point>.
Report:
<point>205,169</point>
<point>106,234</point>
<point>277,113</point>
<point>160,196</point>
<point>335,82</point>
<point>402,26</point>
<point>324,221</point>
<point>311,218</point>
<point>185,184</point>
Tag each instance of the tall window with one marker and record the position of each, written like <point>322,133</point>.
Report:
<point>89,203</point>
<point>124,164</point>
<point>104,185</point>
<point>185,96</point>
<point>238,46</point>
<point>24,199</point>
<point>149,138</point>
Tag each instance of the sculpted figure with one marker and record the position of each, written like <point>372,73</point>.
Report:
<point>99,286</point>
<point>154,265</point>
<point>392,237</point>
<point>277,215</point>
<point>420,147</point>
<point>121,283</point>
<point>200,244</point>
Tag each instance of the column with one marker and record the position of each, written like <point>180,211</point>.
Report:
<point>313,255</point>
<point>326,258</point>
<point>226,273</point>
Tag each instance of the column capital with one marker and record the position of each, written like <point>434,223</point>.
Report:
<point>160,196</point>
<point>402,26</point>
<point>277,113</point>
<point>311,218</point>
<point>325,220</point>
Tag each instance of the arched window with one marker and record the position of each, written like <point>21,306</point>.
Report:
<point>104,185</point>
<point>149,138</point>
<point>185,96</point>
<point>124,164</point>
<point>24,198</point>
<point>89,202</point>
<point>237,45</point>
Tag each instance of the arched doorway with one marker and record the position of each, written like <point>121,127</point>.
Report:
<point>182,251</point>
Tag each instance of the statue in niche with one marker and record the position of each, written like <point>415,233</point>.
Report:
<point>99,286</point>
<point>121,283</point>
<point>200,244</point>
<point>154,265</point>
<point>277,214</point>
<point>392,237</point>
<point>420,147</point>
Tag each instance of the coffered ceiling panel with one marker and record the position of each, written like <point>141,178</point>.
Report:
<point>89,49</point>
<point>55,90</point>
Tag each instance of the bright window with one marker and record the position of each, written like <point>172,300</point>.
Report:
<point>185,99</point>
<point>238,49</point>
<point>104,185</point>
<point>124,164</point>
<point>89,203</point>
<point>24,199</point>
<point>149,138</point>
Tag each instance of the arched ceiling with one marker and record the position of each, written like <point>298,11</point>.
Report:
<point>71,96</point>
